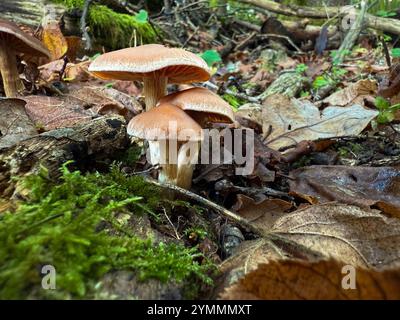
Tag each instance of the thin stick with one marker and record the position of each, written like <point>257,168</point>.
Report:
<point>221,210</point>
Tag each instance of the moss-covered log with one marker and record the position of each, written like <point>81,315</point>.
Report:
<point>98,139</point>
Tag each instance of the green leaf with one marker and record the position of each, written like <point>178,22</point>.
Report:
<point>300,68</point>
<point>384,13</point>
<point>142,16</point>
<point>320,82</point>
<point>396,52</point>
<point>211,57</point>
<point>381,103</point>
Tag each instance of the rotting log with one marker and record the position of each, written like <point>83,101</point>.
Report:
<point>379,23</point>
<point>289,84</point>
<point>86,143</point>
<point>30,12</point>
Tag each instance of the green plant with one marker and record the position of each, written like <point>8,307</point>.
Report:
<point>385,13</point>
<point>81,227</point>
<point>211,57</point>
<point>335,54</point>
<point>333,77</point>
<point>199,233</point>
<point>386,111</point>
<point>301,68</point>
<point>395,52</point>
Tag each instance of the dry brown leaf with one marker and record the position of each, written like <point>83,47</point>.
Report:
<point>73,44</point>
<point>54,40</point>
<point>290,121</point>
<point>52,112</point>
<point>51,71</point>
<point>15,124</point>
<point>361,186</point>
<point>77,72</point>
<point>263,213</point>
<point>318,280</point>
<point>346,233</point>
<point>355,93</point>
<point>349,234</point>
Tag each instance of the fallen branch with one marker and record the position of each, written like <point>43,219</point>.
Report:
<point>352,34</point>
<point>384,24</point>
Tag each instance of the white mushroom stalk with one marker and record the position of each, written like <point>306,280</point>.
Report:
<point>177,161</point>
<point>174,142</point>
<point>8,67</point>
<point>12,42</point>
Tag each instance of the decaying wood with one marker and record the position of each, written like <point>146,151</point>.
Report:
<point>289,84</point>
<point>30,12</point>
<point>98,139</point>
<point>379,23</point>
<point>299,31</point>
<point>352,34</point>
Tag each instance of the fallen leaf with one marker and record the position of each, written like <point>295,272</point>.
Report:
<point>290,121</point>
<point>362,186</point>
<point>263,213</point>
<point>354,93</point>
<point>54,40</point>
<point>347,233</point>
<point>52,112</point>
<point>316,280</point>
<point>15,124</point>
<point>74,45</point>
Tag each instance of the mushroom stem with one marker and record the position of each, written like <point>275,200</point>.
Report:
<point>175,170</point>
<point>154,89</point>
<point>9,72</point>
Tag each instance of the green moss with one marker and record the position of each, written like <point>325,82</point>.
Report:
<point>112,29</point>
<point>74,226</point>
<point>118,30</point>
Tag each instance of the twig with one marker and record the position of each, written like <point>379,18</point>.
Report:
<point>207,203</point>
<point>283,37</point>
<point>61,73</point>
<point>230,92</point>
<point>84,28</point>
<point>172,225</point>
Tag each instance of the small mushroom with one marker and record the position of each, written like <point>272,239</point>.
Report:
<point>202,105</point>
<point>13,41</point>
<point>174,142</point>
<point>153,64</point>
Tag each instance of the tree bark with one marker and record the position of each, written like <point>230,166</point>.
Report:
<point>29,12</point>
<point>98,139</point>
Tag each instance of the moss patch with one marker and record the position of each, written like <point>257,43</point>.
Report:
<point>112,29</point>
<point>74,227</point>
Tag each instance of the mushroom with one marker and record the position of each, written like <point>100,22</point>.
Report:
<point>12,41</point>
<point>174,142</point>
<point>202,105</point>
<point>155,65</point>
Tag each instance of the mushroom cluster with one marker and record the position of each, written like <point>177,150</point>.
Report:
<point>172,124</point>
<point>14,41</point>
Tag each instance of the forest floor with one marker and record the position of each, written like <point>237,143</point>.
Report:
<point>321,202</point>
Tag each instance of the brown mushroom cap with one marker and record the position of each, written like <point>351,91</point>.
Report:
<point>178,65</point>
<point>20,41</point>
<point>155,124</point>
<point>204,101</point>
